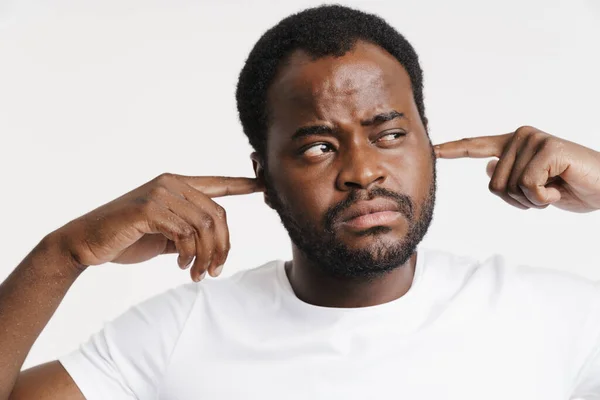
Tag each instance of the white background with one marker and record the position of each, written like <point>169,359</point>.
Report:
<point>98,97</point>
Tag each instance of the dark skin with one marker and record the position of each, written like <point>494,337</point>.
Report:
<point>361,129</point>
<point>176,214</point>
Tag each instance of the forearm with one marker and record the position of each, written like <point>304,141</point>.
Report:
<point>28,299</point>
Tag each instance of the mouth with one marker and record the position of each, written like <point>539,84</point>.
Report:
<point>368,214</point>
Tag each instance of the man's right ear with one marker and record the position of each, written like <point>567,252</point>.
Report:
<point>259,172</point>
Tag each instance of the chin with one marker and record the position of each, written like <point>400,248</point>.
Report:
<point>369,260</point>
<point>377,248</point>
<point>371,254</point>
<point>375,236</point>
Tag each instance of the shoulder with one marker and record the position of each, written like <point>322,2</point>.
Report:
<point>499,270</point>
<point>504,281</point>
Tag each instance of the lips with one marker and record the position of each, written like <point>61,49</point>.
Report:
<point>363,208</point>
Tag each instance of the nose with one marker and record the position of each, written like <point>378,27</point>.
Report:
<point>361,168</point>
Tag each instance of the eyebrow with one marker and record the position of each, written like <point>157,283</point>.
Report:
<point>315,130</point>
<point>312,131</point>
<point>383,117</point>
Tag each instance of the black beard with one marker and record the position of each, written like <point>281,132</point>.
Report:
<point>333,257</point>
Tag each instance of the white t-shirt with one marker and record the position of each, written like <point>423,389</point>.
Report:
<point>465,330</point>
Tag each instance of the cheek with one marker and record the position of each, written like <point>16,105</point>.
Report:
<point>305,195</point>
<point>423,177</point>
<point>412,174</point>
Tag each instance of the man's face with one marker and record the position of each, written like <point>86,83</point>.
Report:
<point>345,139</point>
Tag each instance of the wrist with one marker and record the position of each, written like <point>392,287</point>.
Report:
<point>53,254</point>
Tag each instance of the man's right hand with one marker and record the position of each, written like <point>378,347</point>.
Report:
<point>169,214</point>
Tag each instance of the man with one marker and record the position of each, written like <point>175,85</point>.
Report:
<point>331,100</point>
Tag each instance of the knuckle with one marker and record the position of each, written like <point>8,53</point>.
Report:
<point>179,233</point>
<point>164,178</point>
<point>220,212</point>
<point>495,187</point>
<point>206,222</point>
<point>524,130</point>
<point>157,192</point>
<point>221,247</point>
<point>526,181</point>
<point>187,232</point>
<point>520,135</point>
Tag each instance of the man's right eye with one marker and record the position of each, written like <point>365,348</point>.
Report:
<point>317,149</point>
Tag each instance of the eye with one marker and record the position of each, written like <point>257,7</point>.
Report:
<point>317,149</point>
<point>389,136</point>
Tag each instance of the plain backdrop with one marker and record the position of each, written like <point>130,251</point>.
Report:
<point>98,97</point>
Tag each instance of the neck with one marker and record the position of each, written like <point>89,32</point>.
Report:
<point>312,286</point>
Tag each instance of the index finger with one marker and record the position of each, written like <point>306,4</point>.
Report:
<point>476,147</point>
<point>217,186</point>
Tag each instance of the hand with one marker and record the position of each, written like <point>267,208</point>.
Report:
<point>170,214</point>
<point>535,169</point>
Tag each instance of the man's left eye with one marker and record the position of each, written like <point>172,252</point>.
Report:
<point>386,137</point>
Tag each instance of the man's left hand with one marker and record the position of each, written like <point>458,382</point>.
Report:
<point>535,169</point>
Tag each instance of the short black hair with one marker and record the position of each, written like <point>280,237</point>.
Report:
<point>328,30</point>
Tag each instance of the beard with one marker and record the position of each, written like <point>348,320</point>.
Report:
<point>332,257</point>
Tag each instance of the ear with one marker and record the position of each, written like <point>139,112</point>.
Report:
<point>259,172</point>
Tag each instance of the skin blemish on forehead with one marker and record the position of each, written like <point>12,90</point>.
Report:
<point>341,77</point>
<point>348,80</point>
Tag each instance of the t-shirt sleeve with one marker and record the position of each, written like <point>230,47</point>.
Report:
<point>588,381</point>
<point>125,360</point>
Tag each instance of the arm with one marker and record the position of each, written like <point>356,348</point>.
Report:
<point>28,299</point>
<point>46,382</point>
<point>170,214</point>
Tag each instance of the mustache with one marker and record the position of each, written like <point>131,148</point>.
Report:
<point>405,203</point>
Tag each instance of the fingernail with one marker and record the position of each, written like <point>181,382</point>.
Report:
<point>202,276</point>
<point>218,270</point>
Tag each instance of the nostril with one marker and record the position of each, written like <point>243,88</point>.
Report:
<point>353,185</point>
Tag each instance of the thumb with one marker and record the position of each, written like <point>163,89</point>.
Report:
<point>491,167</point>
<point>552,192</point>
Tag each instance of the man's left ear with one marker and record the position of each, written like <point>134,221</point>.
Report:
<point>259,172</point>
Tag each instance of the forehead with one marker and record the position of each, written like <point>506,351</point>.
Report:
<point>361,81</point>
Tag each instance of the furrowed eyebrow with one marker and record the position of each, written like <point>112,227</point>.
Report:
<point>383,117</point>
<point>315,130</point>
<point>312,131</point>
